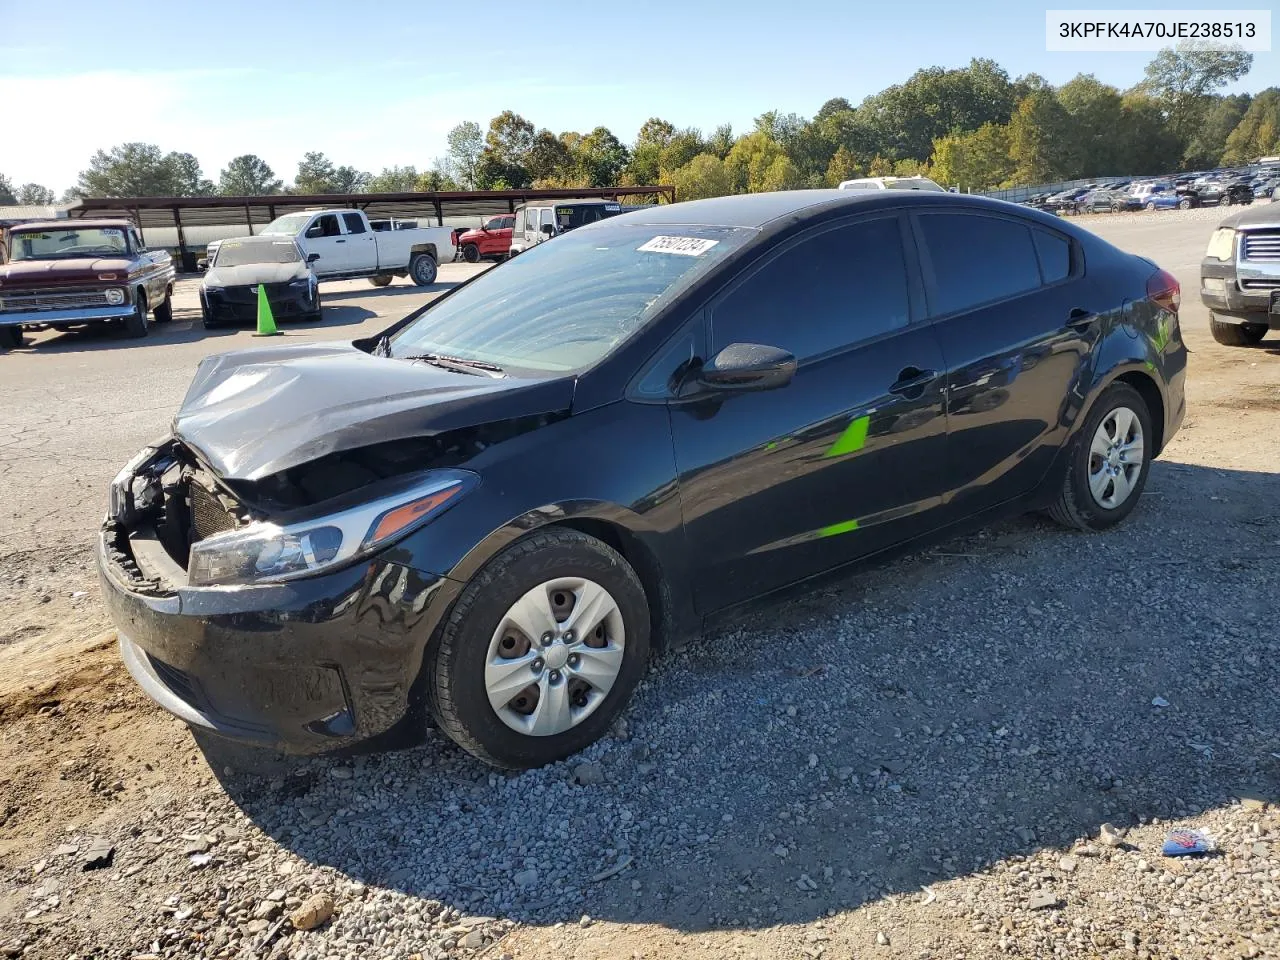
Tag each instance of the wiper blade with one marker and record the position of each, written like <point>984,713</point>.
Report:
<point>448,363</point>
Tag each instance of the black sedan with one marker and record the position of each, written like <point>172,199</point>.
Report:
<point>229,291</point>
<point>500,506</point>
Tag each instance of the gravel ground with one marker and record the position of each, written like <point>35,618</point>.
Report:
<point>916,762</point>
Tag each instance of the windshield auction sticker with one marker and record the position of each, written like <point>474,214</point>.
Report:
<point>684,246</point>
<point>1151,30</point>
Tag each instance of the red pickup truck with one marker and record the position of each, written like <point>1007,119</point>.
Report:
<point>491,241</point>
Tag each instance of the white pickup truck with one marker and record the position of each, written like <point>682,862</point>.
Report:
<point>341,245</point>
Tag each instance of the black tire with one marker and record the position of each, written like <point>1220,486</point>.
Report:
<point>10,338</point>
<point>1076,506</point>
<point>381,280</point>
<point>1185,204</point>
<point>423,269</point>
<point>164,312</point>
<point>136,325</point>
<point>471,253</point>
<point>454,666</point>
<point>1236,334</point>
<point>1151,206</point>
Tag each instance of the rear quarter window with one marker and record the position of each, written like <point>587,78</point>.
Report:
<point>1054,253</point>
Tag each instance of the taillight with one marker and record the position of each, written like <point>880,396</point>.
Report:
<point>1163,288</point>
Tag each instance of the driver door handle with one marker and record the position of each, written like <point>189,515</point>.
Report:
<point>912,379</point>
<point>1081,319</point>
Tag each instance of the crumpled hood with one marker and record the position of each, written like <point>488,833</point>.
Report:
<point>247,273</point>
<point>253,413</point>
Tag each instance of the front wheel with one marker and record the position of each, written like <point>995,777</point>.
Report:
<point>10,338</point>
<point>541,651</point>
<point>381,280</point>
<point>1151,206</point>
<point>1107,462</point>
<point>471,253</point>
<point>136,325</point>
<point>1184,204</point>
<point>423,269</point>
<point>1237,334</point>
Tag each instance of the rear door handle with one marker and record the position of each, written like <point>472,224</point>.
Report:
<point>340,241</point>
<point>911,379</point>
<point>1080,319</point>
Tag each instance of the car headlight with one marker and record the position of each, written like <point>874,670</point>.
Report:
<point>1214,285</point>
<point>115,297</point>
<point>265,552</point>
<point>120,496</point>
<point>1222,244</point>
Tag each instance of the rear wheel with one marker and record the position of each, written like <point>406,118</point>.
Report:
<point>541,651</point>
<point>136,325</point>
<point>1107,462</point>
<point>471,253</point>
<point>381,280</point>
<point>423,269</point>
<point>1151,205</point>
<point>1236,334</point>
<point>10,338</point>
<point>164,312</point>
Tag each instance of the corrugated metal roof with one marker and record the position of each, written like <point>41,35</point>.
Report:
<point>18,214</point>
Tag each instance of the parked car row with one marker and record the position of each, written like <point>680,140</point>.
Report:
<point>1184,191</point>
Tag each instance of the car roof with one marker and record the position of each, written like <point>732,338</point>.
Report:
<point>70,224</point>
<point>584,202</point>
<point>757,210</point>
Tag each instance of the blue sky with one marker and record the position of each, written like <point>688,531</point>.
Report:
<point>380,83</point>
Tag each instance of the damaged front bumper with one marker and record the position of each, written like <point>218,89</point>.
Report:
<point>305,666</point>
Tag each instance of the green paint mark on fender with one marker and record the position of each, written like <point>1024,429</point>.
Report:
<point>838,528</point>
<point>853,439</point>
<point>771,445</point>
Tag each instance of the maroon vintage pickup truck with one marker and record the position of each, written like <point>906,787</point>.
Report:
<point>65,273</point>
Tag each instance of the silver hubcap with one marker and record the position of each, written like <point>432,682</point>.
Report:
<point>1115,458</point>
<point>554,656</point>
<point>425,272</point>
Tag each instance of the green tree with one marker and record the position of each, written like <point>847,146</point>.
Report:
<point>438,178</point>
<point>549,161</point>
<point>316,174</point>
<point>600,157</point>
<point>974,161</point>
<point>1255,134</point>
<point>704,176</point>
<point>1040,139</point>
<point>6,191</point>
<point>721,141</point>
<point>833,106</point>
<point>141,170</point>
<point>782,174</point>
<point>1182,79</point>
<point>1210,139</point>
<point>466,143</point>
<point>1145,143</point>
<point>655,131</point>
<point>510,137</point>
<point>248,176</point>
<point>394,180</point>
<point>842,167</point>
<point>750,160</point>
<point>350,180</point>
<point>33,194</point>
<point>681,147</point>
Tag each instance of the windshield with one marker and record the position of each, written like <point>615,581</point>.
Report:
<point>498,223</point>
<point>72,242</point>
<point>565,304</point>
<point>289,226</point>
<point>236,253</point>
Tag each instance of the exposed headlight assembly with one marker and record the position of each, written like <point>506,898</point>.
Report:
<point>265,552</point>
<point>115,297</point>
<point>1222,244</point>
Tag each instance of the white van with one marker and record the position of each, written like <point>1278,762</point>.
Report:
<point>892,183</point>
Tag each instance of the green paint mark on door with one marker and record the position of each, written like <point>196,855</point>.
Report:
<point>853,438</point>
<point>838,528</point>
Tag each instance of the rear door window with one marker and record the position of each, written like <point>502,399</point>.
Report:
<point>977,259</point>
<point>353,222</point>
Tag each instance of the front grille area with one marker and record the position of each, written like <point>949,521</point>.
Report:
<point>1260,284</point>
<point>68,300</point>
<point>208,516</point>
<point>1261,245</point>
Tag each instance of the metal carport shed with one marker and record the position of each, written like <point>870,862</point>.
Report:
<point>182,212</point>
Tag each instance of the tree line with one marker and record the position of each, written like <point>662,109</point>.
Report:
<point>973,127</point>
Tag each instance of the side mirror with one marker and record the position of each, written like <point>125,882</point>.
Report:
<point>312,257</point>
<point>742,367</point>
<point>548,229</point>
<point>202,264</point>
